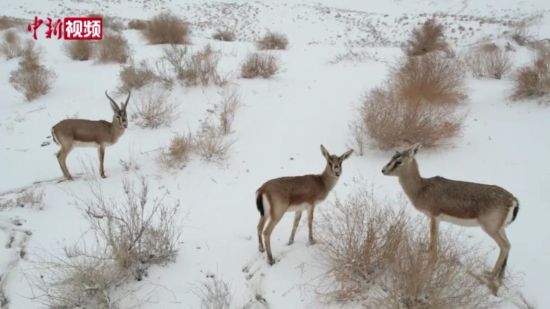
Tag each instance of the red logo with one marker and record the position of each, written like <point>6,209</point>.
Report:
<point>71,28</point>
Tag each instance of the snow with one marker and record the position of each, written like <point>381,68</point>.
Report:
<point>278,130</point>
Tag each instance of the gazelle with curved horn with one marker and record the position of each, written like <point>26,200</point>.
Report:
<point>464,203</point>
<point>70,133</point>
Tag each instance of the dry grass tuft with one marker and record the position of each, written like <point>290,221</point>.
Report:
<point>137,24</point>
<point>79,50</point>
<point>31,78</point>
<point>224,35</point>
<point>227,108</point>
<point>432,78</point>
<point>533,81</point>
<point>166,28</point>
<point>11,46</point>
<point>272,40</point>
<point>211,143</point>
<point>214,294</point>
<point>428,38</point>
<point>377,253</point>
<point>112,48</point>
<point>153,107</point>
<point>488,60</point>
<point>200,68</point>
<point>259,65</point>
<point>9,22</point>
<point>178,152</point>
<point>134,76</point>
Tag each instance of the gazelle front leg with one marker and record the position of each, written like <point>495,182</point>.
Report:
<point>297,218</point>
<point>434,235</point>
<point>101,151</point>
<point>310,224</point>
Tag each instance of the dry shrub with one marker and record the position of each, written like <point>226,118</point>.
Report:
<point>134,76</point>
<point>178,152</point>
<point>9,22</point>
<point>128,235</point>
<point>31,78</point>
<point>201,68</point>
<point>377,254</point>
<point>11,46</point>
<point>28,198</point>
<point>79,50</point>
<point>166,28</point>
<point>137,24</point>
<point>227,108</point>
<point>224,35</point>
<point>393,121</point>
<point>112,48</point>
<point>263,65</point>
<point>428,38</point>
<point>432,78</point>
<point>211,143</point>
<point>110,22</point>
<point>488,60</point>
<point>153,107</point>
<point>533,81</point>
<point>272,40</point>
<point>214,294</point>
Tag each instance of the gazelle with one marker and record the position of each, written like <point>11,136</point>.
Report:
<point>280,195</point>
<point>463,203</point>
<point>70,133</point>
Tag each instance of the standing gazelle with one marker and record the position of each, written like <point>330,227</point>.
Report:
<point>277,196</point>
<point>458,202</point>
<point>70,133</point>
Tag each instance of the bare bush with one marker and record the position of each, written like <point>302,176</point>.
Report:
<point>109,22</point>
<point>28,198</point>
<point>432,78</point>
<point>259,65</point>
<point>79,50</point>
<point>11,46</point>
<point>153,107</point>
<point>272,40</point>
<point>392,121</point>
<point>31,78</point>
<point>376,251</point>
<point>227,109</point>
<point>211,143</point>
<point>129,235</point>
<point>9,22</point>
<point>112,48</point>
<point>214,294</point>
<point>488,60</point>
<point>533,81</point>
<point>428,38</point>
<point>201,68</point>
<point>134,76</point>
<point>137,24</point>
<point>224,35</point>
<point>177,154</point>
<point>166,28</point>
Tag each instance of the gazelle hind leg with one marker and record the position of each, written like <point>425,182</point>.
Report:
<point>297,218</point>
<point>504,245</point>
<point>61,158</point>
<point>271,223</point>
<point>261,225</point>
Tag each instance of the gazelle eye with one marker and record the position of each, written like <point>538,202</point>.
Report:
<point>397,163</point>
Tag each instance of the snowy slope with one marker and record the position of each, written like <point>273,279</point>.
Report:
<point>277,132</point>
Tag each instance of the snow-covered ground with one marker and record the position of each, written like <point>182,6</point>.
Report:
<point>278,130</point>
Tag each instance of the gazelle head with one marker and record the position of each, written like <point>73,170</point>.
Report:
<point>120,118</point>
<point>334,162</point>
<point>400,161</point>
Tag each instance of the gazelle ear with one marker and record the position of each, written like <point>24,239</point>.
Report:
<point>414,149</point>
<point>346,155</point>
<point>325,152</point>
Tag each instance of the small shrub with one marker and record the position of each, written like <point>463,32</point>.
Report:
<point>428,38</point>
<point>224,35</point>
<point>112,48</point>
<point>137,24</point>
<point>166,28</point>
<point>489,61</point>
<point>533,81</point>
<point>153,107</point>
<point>262,65</point>
<point>202,68</point>
<point>11,46</point>
<point>31,78</point>
<point>214,294</point>
<point>227,109</point>
<point>135,77</point>
<point>392,121</point>
<point>211,143</point>
<point>8,22</point>
<point>432,78</point>
<point>272,40</point>
<point>178,151</point>
<point>79,50</point>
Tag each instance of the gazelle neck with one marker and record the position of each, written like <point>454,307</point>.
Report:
<point>116,129</point>
<point>410,179</point>
<point>329,179</point>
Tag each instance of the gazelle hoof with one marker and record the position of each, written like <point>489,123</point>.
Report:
<point>103,176</point>
<point>261,249</point>
<point>290,242</point>
<point>270,261</point>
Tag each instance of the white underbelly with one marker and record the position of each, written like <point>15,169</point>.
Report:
<point>299,207</point>
<point>85,144</point>
<point>458,221</point>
